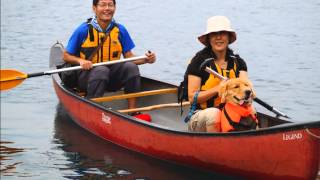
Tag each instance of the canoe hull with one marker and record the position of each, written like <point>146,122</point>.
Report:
<point>284,153</point>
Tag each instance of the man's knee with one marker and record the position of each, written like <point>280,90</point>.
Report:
<point>131,68</point>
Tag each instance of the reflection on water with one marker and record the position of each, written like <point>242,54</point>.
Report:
<point>91,157</point>
<point>9,165</point>
<point>86,156</point>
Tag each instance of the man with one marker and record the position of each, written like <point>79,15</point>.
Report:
<point>85,39</point>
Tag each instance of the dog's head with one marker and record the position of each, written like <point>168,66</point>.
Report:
<point>237,91</point>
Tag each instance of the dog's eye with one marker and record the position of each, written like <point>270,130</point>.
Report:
<point>236,86</point>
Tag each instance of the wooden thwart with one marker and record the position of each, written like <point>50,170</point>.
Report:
<point>133,95</point>
<point>153,107</point>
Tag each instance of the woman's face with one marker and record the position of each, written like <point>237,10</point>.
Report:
<point>105,10</point>
<point>219,41</point>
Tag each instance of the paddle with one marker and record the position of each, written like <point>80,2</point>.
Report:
<point>204,66</point>
<point>10,78</point>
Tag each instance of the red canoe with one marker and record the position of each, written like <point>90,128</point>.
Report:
<point>279,150</point>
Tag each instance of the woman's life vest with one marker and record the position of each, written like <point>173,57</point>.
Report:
<point>213,81</point>
<point>238,118</point>
<point>111,49</point>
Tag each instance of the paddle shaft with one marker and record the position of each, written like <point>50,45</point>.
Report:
<point>10,78</point>
<point>79,67</point>
<point>258,100</point>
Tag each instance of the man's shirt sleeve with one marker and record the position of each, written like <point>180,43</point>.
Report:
<point>76,39</point>
<point>125,39</point>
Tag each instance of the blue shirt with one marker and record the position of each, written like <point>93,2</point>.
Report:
<point>81,33</point>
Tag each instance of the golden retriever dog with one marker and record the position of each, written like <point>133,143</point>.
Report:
<point>238,113</point>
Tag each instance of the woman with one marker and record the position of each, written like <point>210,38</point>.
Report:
<point>203,88</point>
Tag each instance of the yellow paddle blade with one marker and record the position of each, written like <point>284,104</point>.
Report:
<point>10,78</point>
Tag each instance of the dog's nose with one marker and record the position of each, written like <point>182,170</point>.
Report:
<point>247,93</point>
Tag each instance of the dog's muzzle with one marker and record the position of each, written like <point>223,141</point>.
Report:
<point>248,94</point>
<point>246,100</point>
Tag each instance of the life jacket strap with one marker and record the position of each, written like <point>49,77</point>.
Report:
<point>91,35</point>
<point>193,107</point>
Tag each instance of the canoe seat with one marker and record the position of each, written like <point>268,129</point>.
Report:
<point>153,107</point>
<point>134,95</point>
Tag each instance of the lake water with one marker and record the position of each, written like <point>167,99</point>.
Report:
<point>279,40</point>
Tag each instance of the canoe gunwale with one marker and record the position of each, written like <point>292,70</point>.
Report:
<point>291,126</point>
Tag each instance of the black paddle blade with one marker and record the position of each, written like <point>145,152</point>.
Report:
<point>205,63</point>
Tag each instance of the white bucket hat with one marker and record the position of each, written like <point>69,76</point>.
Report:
<point>217,24</point>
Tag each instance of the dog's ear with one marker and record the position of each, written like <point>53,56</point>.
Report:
<point>223,91</point>
<point>252,89</point>
<point>253,93</point>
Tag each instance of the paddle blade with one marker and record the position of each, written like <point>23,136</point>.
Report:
<point>10,78</point>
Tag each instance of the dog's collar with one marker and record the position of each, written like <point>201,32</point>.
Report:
<point>243,111</point>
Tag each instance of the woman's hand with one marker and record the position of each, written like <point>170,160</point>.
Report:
<point>85,64</point>
<point>151,57</point>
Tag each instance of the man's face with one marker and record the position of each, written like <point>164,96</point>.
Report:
<point>105,10</point>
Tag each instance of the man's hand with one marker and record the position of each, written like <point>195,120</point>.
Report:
<point>151,57</point>
<point>85,64</point>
